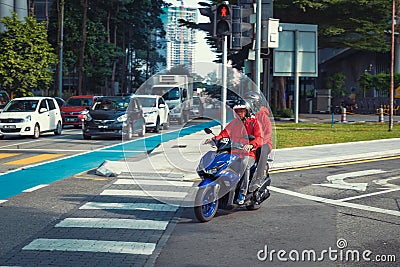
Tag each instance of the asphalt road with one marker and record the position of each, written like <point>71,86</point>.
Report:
<point>291,220</point>
<point>299,218</point>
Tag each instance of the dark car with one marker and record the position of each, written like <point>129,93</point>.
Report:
<point>4,99</point>
<point>114,116</point>
<point>59,101</point>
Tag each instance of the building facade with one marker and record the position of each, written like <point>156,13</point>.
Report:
<point>179,48</point>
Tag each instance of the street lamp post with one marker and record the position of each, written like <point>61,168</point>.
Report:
<point>60,68</point>
<point>392,69</point>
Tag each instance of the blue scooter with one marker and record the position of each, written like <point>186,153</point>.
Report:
<point>221,173</point>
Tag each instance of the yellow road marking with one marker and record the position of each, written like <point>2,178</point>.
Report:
<point>6,155</point>
<point>34,159</point>
<point>334,164</point>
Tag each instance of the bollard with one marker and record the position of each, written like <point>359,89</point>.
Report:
<point>344,119</point>
<point>381,119</point>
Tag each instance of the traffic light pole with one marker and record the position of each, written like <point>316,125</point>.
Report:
<point>257,75</point>
<point>224,79</point>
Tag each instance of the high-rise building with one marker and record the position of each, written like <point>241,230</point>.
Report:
<point>19,7</point>
<point>180,41</point>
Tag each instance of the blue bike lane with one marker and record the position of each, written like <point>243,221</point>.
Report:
<point>15,182</point>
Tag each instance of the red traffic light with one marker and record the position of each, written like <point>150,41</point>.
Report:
<point>223,11</point>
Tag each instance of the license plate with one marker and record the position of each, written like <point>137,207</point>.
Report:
<point>68,119</point>
<point>9,127</point>
<point>103,126</point>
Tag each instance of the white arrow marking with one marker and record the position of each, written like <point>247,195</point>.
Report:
<point>337,181</point>
<point>385,182</point>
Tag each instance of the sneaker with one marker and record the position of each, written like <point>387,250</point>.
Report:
<point>240,199</point>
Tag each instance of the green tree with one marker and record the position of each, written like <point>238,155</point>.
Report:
<point>336,83</point>
<point>358,24</point>
<point>114,45</point>
<point>27,59</point>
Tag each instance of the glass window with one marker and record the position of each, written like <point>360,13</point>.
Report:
<point>21,106</point>
<point>51,104</point>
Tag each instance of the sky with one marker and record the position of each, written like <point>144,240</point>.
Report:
<point>203,51</point>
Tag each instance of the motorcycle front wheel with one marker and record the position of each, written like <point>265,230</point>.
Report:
<point>207,203</point>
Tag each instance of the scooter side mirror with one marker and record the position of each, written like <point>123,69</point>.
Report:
<point>208,131</point>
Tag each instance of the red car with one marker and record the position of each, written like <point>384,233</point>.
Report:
<point>75,109</point>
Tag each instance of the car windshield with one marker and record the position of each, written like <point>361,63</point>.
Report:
<point>148,102</point>
<point>118,104</point>
<point>78,102</point>
<point>167,93</point>
<point>21,106</point>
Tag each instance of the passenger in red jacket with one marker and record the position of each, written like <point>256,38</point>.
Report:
<point>238,130</point>
<point>262,115</point>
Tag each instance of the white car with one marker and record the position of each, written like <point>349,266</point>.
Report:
<point>30,116</point>
<point>156,112</point>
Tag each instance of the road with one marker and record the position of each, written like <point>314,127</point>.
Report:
<point>306,212</point>
<point>300,215</point>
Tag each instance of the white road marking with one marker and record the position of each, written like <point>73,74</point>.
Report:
<point>140,193</point>
<point>129,206</point>
<point>34,188</point>
<point>371,194</point>
<point>111,223</point>
<point>334,202</point>
<point>385,182</point>
<point>153,182</point>
<point>337,180</point>
<point>22,143</point>
<point>91,246</point>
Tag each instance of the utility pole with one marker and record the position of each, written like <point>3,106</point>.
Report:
<point>392,69</point>
<point>258,60</point>
<point>60,66</point>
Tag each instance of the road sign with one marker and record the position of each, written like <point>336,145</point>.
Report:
<point>297,51</point>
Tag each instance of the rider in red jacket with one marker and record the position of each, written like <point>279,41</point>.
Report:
<point>238,130</point>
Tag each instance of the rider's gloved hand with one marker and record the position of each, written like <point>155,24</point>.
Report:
<point>248,147</point>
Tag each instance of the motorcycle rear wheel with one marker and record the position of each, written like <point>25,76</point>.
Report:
<point>209,204</point>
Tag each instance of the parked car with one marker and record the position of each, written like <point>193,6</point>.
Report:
<point>4,99</point>
<point>197,108</point>
<point>30,116</point>
<point>75,108</point>
<point>156,112</point>
<point>60,101</point>
<point>114,116</point>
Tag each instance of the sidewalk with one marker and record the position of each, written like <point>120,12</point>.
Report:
<point>181,156</point>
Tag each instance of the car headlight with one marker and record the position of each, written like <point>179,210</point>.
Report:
<point>28,118</point>
<point>84,112</point>
<point>88,117</point>
<point>122,118</point>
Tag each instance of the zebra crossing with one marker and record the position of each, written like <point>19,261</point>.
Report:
<point>123,225</point>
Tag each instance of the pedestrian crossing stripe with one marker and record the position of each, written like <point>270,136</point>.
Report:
<point>91,246</point>
<point>153,182</point>
<point>129,206</point>
<point>112,223</point>
<point>140,193</point>
<point>7,155</point>
<point>34,159</point>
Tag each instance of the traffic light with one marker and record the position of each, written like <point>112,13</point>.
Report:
<point>242,27</point>
<point>223,25</point>
<point>211,13</point>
